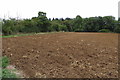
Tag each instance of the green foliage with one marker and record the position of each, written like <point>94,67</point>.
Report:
<point>42,24</point>
<point>6,73</point>
<point>63,27</point>
<point>104,30</point>
<point>91,24</point>
<point>57,26</point>
<point>117,29</point>
<point>117,26</point>
<point>77,23</point>
<point>109,22</point>
<point>69,24</point>
<point>29,26</point>
<point>41,14</point>
<point>5,61</point>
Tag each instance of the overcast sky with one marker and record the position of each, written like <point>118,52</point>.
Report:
<point>58,8</point>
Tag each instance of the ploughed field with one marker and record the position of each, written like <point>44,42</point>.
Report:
<point>64,55</point>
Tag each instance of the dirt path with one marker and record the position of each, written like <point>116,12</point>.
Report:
<point>64,55</point>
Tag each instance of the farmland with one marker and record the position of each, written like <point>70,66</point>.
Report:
<point>64,55</point>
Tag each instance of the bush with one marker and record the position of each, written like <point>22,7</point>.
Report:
<point>5,61</point>
<point>104,30</point>
<point>117,29</point>
<point>6,73</point>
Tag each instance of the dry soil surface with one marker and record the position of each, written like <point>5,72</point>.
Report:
<point>64,55</point>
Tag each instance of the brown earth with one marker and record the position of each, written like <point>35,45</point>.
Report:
<point>64,55</point>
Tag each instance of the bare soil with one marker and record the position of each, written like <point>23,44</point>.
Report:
<point>64,55</point>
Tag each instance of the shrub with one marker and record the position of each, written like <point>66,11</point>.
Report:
<point>5,61</point>
<point>117,29</point>
<point>6,73</point>
<point>104,30</point>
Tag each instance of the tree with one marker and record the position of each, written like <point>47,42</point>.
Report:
<point>41,14</point>
<point>117,28</point>
<point>43,22</point>
<point>77,23</point>
<point>7,27</point>
<point>30,25</point>
<point>68,23</point>
<point>109,22</point>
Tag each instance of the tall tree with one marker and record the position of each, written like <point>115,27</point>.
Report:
<point>77,22</point>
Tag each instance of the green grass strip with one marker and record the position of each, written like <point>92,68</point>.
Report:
<point>27,34</point>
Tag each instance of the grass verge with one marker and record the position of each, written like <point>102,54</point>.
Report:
<point>27,34</point>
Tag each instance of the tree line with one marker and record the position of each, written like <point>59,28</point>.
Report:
<point>78,24</point>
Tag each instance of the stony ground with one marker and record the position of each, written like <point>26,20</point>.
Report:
<point>64,55</point>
